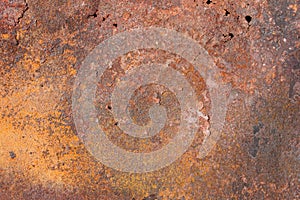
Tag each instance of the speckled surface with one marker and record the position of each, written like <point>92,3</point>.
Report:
<point>255,44</point>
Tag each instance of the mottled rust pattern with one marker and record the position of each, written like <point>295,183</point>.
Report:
<point>144,98</point>
<point>254,43</point>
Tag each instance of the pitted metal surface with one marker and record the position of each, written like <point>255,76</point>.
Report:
<point>65,64</point>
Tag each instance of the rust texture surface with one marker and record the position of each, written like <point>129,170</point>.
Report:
<point>254,46</point>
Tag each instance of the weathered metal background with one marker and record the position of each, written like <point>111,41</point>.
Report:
<point>255,44</point>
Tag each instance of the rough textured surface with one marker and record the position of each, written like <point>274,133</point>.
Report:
<point>254,43</point>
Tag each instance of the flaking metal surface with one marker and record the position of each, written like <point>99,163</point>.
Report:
<point>254,46</point>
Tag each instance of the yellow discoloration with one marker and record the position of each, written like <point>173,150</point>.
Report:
<point>5,36</point>
<point>294,7</point>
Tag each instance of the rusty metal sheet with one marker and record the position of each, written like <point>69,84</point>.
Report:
<point>173,99</point>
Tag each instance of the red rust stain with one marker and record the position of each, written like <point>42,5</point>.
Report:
<point>42,46</point>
